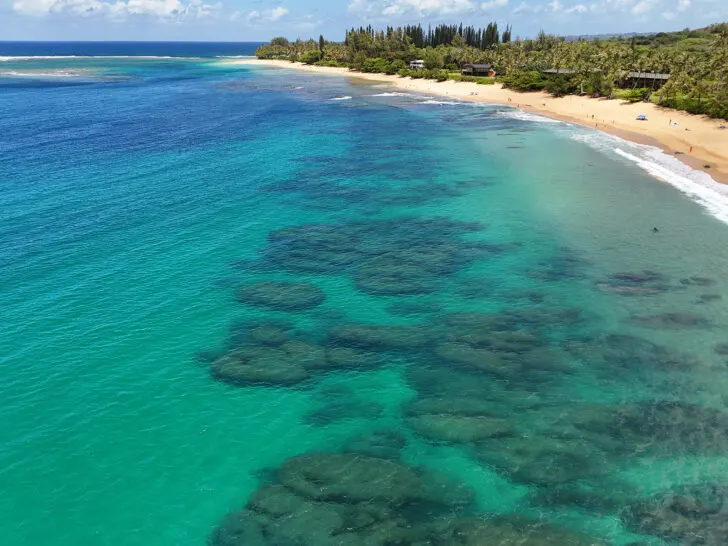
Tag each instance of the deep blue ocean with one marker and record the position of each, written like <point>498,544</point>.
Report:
<point>250,306</point>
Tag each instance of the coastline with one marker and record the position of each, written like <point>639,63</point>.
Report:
<point>709,144</point>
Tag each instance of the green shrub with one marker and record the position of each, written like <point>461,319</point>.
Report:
<point>483,81</point>
<point>310,57</point>
<point>377,65</point>
<point>635,95</point>
<point>331,63</point>
<point>398,65</point>
<point>560,84</point>
<point>525,81</point>
<point>438,75</point>
<point>358,61</point>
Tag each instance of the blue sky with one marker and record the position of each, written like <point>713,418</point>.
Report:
<point>252,20</point>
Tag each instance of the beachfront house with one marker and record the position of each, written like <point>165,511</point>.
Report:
<point>417,65</point>
<point>478,70</point>
<point>647,80</point>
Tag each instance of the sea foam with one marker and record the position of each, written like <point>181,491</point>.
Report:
<point>697,185</point>
<point>394,94</point>
<point>526,116</point>
<point>441,102</point>
<point>50,57</point>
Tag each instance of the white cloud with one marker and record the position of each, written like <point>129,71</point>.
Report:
<point>668,16</point>
<point>361,6</point>
<point>579,8</point>
<point>120,9</point>
<point>278,13</point>
<point>265,16</point>
<point>492,4</point>
<point>644,6</point>
<point>415,7</point>
<point>554,6</point>
<point>684,5</point>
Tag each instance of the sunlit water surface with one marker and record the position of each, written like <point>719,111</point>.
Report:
<point>345,316</point>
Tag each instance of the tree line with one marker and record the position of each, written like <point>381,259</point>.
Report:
<point>696,61</point>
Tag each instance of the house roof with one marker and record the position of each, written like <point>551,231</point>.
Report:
<point>649,75</point>
<point>558,71</point>
<point>481,66</point>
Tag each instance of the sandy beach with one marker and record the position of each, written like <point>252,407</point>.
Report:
<point>696,140</point>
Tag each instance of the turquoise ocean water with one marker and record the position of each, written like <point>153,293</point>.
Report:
<point>193,256</point>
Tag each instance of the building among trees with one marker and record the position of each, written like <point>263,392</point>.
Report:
<point>478,70</point>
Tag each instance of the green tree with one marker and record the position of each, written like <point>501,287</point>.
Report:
<point>280,41</point>
<point>506,38</point>
<point>311,56</point>
<point>433,59</point>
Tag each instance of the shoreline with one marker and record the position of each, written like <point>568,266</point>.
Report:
<point>709,143</point>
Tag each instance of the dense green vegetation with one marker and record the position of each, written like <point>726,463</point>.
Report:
<point>696,61</point>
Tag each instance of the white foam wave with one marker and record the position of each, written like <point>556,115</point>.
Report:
<point>55,74</point>
<point>341,98</point>
<point>394,94</point>
<point>441,102</point>
<point>526,116</point>
<point>697,185</point>
<point>49,57</point>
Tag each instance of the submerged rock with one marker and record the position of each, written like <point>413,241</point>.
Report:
<point>674,427</point>
<point>383,443</point>
<point>670,320</point>
<point>708,298</point>
<point>629,352</point>
<point>350,478</point>
<point>241,528</point>
<point>352,359</point>
<point>459,428</point>
<point>404,309</point>
<point>622,289</point>
<point>258,365</point>
<point>282,296</point>
<point>268,335</point>
<point>691,514</point>
<point>645,276</point>
<point>394,279</point>
<point>645,283</point>
<point>349,499</point>
<point>480,359</point>
<point>308,355</point>
<point>544,460</point>
<point>379,336</point>
<point>697,281</point>
<point>343,410</point>
<point>508,530</point>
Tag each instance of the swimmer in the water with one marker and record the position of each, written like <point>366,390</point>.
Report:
<point>655,230</point>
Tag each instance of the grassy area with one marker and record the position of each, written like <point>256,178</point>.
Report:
<point>457,77</point>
